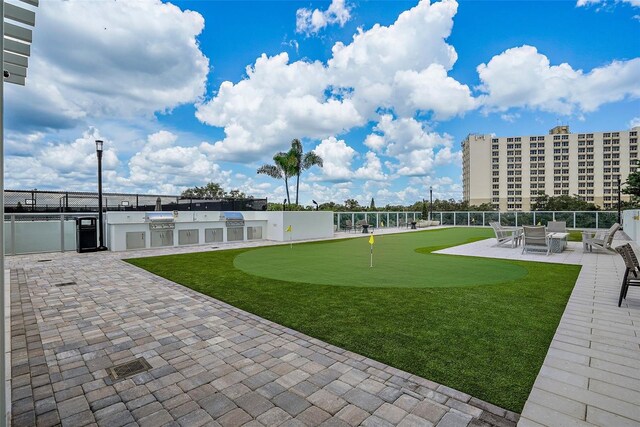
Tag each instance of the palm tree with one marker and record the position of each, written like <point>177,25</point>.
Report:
<point>283,168</point>
<point>302,162</point>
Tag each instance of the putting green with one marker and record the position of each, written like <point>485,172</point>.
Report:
<point>399,260</point>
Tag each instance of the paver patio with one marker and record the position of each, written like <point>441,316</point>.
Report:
<point>211,364</point>
<point>591,374</point>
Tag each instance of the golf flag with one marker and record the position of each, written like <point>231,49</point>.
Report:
<point>288,230</point>
<point>371,240</point>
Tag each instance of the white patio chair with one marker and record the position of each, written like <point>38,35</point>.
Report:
<point>506,234</point>
<point>599,239</point>
<point>535,239</point>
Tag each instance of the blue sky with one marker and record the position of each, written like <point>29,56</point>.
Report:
<point>188,92</point>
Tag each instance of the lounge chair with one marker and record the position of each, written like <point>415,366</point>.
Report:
<point>557,227</point>
<point>506,234</point>
<point>632,272</point>
<point>599,239</point>
<point>535,239</point>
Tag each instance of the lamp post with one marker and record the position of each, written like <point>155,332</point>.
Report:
<point>430,202</point>
<point>315,203</point>
<point>619,215</point>
<point>99,144</point>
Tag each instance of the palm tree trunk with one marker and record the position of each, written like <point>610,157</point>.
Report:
<point>297,186</point>
<point>286,185</point>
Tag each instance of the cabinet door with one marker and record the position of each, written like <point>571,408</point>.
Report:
<point>187,237</point>
<point>135,239</point>
<point>235,234</point>
<point>254,233</point>
<point>212,235</point>
<point>161,238</point>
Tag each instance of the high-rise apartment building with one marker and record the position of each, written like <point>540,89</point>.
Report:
<point>510,172</point>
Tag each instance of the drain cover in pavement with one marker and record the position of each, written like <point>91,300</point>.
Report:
<point>129,368</point>
<point>44,260</point>
<point>65,284</point>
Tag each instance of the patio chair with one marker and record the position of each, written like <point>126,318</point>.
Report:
<point>535,239</point>
<point>632,271</point>
<point>557,227</point>
<point>599,239</point>
<point>347,225</point>
<point>506,234</point>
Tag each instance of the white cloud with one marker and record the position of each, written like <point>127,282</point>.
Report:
<point>108,59</point>
<point>510,117</point>
<point>414,149</point>
<point>62,165</point>
<point>634,122</point>
<point>277,102</point>
<point>312,21</point>
<point>337,157</point>
<point>401,67</point>
<point>582,3</point>
<point>431,90</point>
<point>162,160</point>
<point>371,169</point>
<point>522,77</point>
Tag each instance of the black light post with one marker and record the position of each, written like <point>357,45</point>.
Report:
<point>619,215</point>
<point>284,205</point>
<point>430,202</point>
<point>99,144</point>
<point>315,203</point>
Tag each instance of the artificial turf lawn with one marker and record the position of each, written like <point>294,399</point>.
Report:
<point>396,262</point>
<point>488,340</point>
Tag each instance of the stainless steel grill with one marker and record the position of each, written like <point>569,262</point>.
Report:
<point>232,219</point>
<point>160,220</point>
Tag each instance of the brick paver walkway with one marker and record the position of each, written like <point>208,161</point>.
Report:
<point>591,375</point>
<point>211,364</point>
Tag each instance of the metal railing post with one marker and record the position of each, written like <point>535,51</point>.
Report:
<point>499,217</point>
<point>597,220</point>
<point>516,218</point>
<point>13,234</point>
<point>61,233</point>
<point>483,218</point>
<point>534,217</point>
<point>454,219</point>
<point>574,219</point>
<point>468,219</point>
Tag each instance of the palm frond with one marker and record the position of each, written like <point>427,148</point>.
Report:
<point>311,159</point>
<point>270,170</point>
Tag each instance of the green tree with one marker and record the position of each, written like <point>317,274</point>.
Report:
<point>283,167</point>
<point>237,194</point>
<point>212,190</point>
<point>540,203</point>
<point>352,205</point>
<point>302,161</point>
<point>632,185</point>
<point>482,207</point>
<point>425,211</point>
<point>562,203</point>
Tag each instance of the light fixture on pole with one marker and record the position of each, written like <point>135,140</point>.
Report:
<point>99,144</point>
<point>315,203</point>
<point>430,202</point>
<point>619,204</point>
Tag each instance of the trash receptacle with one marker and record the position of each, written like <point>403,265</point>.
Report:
<point>86,234</point>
